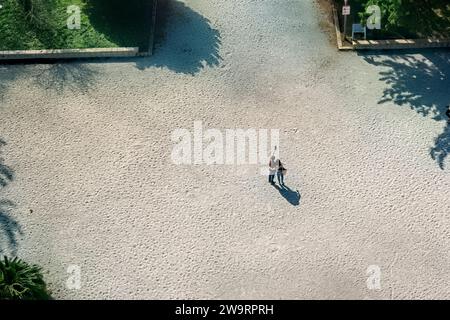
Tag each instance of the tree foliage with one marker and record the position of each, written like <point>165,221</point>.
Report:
<point>39,12</point>
<point>424,17</point>
<point>21,281</point>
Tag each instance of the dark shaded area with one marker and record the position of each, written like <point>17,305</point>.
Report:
<point>9,227</point>
<point>185,41</point>
<point>423,85</point>
<point>62,76</point>
<point>125,23</point>
<point>441,148</point>
<point>293,197</point>
<point>6,173</point>
<point>8,74</point>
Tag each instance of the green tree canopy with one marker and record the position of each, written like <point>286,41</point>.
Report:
<point>421,17</point>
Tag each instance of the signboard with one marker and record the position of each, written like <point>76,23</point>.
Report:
<point>346,10</point>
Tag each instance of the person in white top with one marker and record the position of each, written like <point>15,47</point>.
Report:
<point>272,169</point>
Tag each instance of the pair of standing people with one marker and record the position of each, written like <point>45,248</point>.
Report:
<point>276,167</point>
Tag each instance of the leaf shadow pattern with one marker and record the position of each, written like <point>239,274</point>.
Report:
<point>441,148</point>
<point>8,73</point>
<point>6,173</point>
<point>421,82</point>
<point>188,43</point>
<point>65,76</point>
<point>9,227</point>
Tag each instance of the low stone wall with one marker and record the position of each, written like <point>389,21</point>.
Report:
<point>400,44</point>
<point>70,53</point>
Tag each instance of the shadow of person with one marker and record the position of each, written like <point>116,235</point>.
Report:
<point>420,82</point>
<point>188,43</point>
<point>293,197</point>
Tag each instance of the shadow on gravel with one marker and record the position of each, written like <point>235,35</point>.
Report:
<point>422,84</point>
<point>8,74</point>
<point>61,76</point>
<point>6,173</point>
<point>441,148</point>
<point>9,228</point>
<point>185,40</point>
<point>65,76</point>
<point>293,197</point>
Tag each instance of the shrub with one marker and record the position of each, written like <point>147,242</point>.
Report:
<point>21,281</point>
<point>39,13</point>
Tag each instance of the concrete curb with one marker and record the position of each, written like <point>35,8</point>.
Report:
<point>396,44</point>
<point>71,53</point>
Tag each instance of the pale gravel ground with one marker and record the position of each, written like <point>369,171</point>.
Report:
<point>91,157</point>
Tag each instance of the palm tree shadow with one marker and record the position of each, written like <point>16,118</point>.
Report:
<point>420,82</point>
<point>9,227</point>
<point>188,43</point>
<point>6,173</point>
<point>293,197</point>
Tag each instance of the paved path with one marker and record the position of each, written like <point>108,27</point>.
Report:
<point>93,185</point>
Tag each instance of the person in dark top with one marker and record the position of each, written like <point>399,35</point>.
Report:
<point>281,171</point>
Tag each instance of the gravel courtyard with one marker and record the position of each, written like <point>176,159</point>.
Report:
<point>88,180</point>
